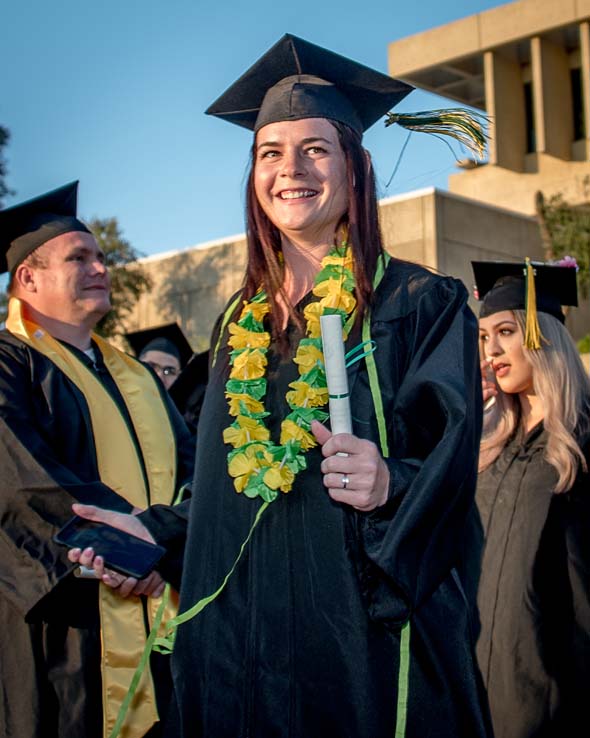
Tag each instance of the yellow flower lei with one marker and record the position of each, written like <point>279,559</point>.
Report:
<point>259,467</point>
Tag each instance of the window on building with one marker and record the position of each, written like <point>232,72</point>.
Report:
<point>578,104</point>
<point>529,112</point>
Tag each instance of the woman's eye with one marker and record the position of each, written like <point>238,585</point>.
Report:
<point>269,154</point>
<point>506,332</point>
<point>316,150</point>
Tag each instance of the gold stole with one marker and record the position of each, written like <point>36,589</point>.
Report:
<point>123,630</point>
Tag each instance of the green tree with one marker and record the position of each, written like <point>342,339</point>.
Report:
<point>565,231</point>
<point>3,308</point>
<point>4,189</point>
<point>128,280</point>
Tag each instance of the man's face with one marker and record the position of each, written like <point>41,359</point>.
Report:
<point>166,366</point>
<point>74,286</point>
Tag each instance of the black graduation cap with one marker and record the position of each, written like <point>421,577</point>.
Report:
<point>296,79</point>
<point>529,286</point>
<point>26,226</point>
<point>168,338</point>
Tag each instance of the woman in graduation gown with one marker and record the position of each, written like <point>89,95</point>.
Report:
<point>533,495</point>
<point>344,616</point>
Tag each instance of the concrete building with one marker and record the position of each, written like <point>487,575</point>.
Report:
<point>527,65</point>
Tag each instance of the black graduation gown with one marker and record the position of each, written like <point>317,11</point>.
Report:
<point>49,622</point>
<point>305,638</point>
<point>534,595</point>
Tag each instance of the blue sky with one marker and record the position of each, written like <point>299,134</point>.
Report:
<point>112,92</point>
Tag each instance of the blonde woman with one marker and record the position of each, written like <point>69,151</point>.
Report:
<point>533,496</point>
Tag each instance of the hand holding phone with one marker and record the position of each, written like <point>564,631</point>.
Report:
<point>121,551</point>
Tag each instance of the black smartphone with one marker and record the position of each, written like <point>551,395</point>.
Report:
<point>121,551</point>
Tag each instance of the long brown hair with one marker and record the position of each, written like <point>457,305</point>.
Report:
<point>264,241</point>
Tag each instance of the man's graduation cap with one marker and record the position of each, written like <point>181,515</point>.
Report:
<point>25,227</point>
<point>167,338</point>
<point>529,286</point>
<point>296,79</point>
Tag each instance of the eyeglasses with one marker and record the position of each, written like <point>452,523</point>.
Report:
<point>167,371</point>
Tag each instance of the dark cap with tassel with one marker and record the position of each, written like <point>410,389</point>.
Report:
<point>296,79</point>
<point>530,286</point>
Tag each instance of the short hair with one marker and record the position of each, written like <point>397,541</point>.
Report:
<point>37,259</point>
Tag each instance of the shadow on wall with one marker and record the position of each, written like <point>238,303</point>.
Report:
<point>194,287</point>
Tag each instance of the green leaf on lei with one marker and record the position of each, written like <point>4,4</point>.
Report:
<point>250,323</point>
<point>304,415</point>
<point>256,416</point>
<point>333,271</point>
<point>317,342</point>
<point>256,388</point>
<point>257,488</point>
<point>315,377</point>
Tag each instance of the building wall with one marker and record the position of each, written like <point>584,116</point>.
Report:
<point>486,60</point>
<point>516,190</point>
<point>191,287</point>
<point>437,229</point>
<point>515,62</point>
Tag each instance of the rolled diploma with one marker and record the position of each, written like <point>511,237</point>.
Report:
<point>333,345</point>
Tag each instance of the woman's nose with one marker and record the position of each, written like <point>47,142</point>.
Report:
<point>492,347</point>
<point>292,165</point>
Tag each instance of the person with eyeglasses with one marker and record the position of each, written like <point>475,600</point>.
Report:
<point>164,348</point>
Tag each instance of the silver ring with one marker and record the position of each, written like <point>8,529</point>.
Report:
<point>345,481</point>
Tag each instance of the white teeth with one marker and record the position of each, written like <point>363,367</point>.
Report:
<point>297,194</point>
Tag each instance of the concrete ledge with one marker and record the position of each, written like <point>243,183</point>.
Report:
<point>480,32</point>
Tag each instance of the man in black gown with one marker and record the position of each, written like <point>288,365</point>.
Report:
<point>79,421</point>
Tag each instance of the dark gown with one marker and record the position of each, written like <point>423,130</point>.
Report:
<point>49,622</point>
<point>305,639</point>
<point>534,595</point>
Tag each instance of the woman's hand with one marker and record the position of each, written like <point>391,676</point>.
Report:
<point>151,586</point>
<point>359,479</point>
<point>488,385</point>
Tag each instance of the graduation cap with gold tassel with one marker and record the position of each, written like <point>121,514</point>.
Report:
<point>533,287</point>
<point>296,79</point>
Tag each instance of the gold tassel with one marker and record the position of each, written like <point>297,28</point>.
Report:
<point>532,333</point>
<point>458,123</point>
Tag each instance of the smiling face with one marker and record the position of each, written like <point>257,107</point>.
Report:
<point>501,340</point>
<point>72,284</point>
<point>300,178</point>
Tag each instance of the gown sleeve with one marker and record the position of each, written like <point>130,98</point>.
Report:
<point>433,417</point>
<point>48,462</point>
<point>25,387</point>
<point>576,506</point>
<point>31,564</point>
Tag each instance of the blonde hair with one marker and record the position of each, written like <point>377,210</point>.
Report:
<point>561,383</point>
